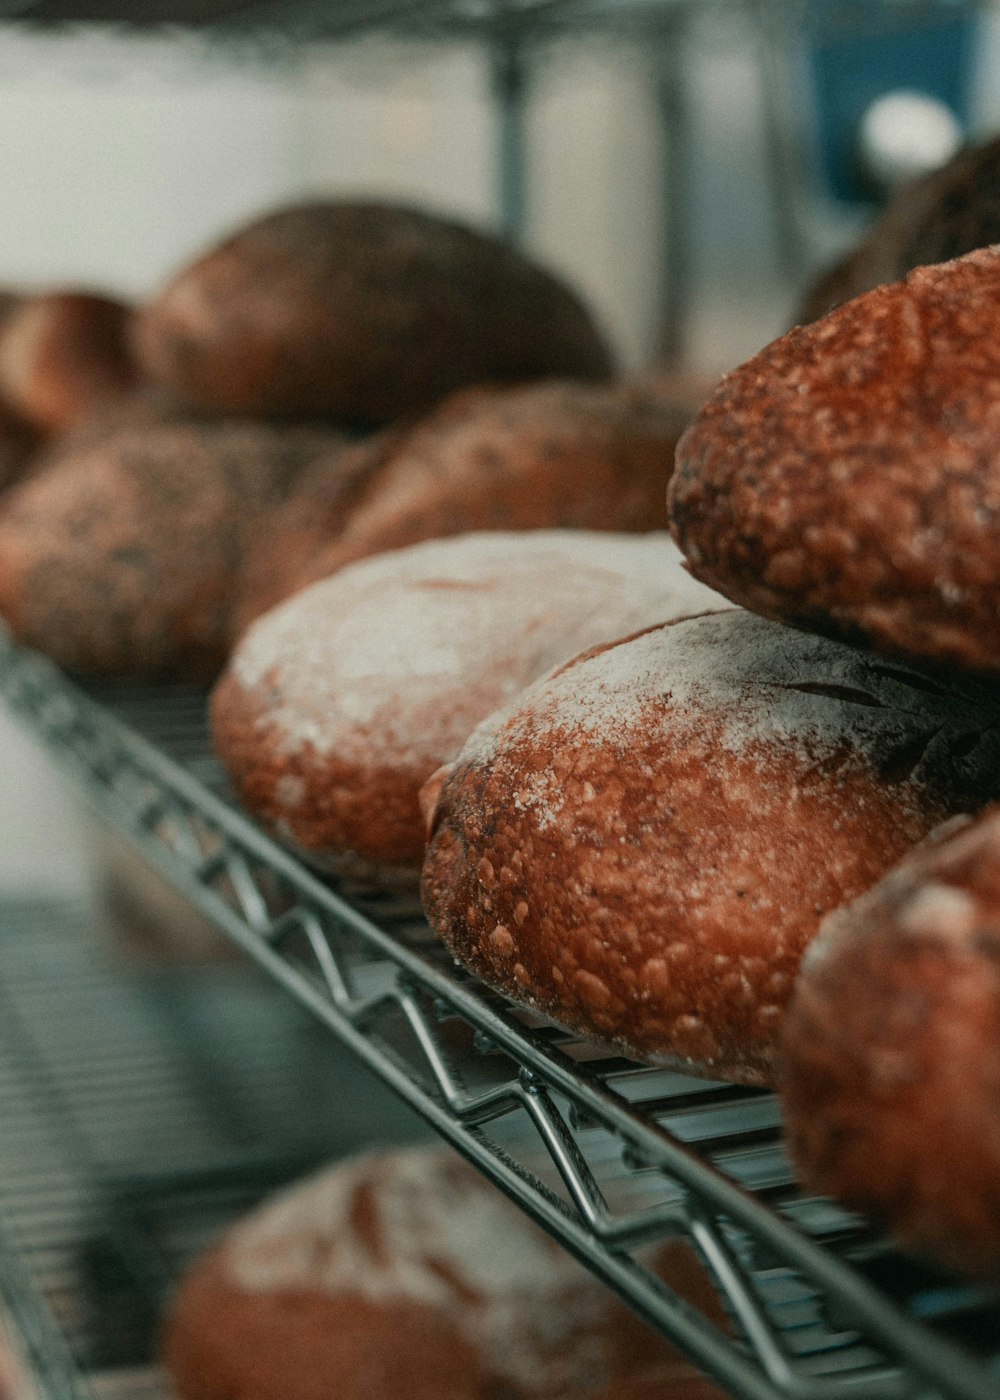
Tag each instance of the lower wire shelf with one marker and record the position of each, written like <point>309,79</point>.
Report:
<point>609,1156</point>
<point>141,1108</point>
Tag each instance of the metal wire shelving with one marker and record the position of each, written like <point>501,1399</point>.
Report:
<point>609,1156</point>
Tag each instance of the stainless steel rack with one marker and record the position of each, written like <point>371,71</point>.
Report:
<point>609,1156</point>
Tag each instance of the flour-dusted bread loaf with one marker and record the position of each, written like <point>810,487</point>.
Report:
<point>64,356</point>
<point>339,705</point>
<point>847,478</point>
<point>890,1064</point>
<point>122,555</point>
<point>550,456</point>
<point>404,1275</point>
<point>360,311</point>
<point>930,219</point>
<point>642,846</point>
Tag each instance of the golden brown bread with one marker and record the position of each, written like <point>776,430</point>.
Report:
<point>64,356</point>
<point>406,1274</point>
<point>338,705</point>
<point>930,219</point>
<point>642,846</point>
<point>847,478</point>
<point>121,555</point>
<point>890,1064</point>
<point>551,456</point>
<point>360,311</point>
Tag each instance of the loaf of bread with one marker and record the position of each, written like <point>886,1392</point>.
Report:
<point>847,478</point>
<point>930,219</point>
<point>360,311</point>
<point>643,844</point>
<point>64,355</point>
<point>890,1063</point>
<point>338,705</point>
<point>551,456</point>
<point>399,1275</point>
<point>122,555</point>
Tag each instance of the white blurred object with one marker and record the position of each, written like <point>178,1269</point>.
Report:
<point>905,134</point>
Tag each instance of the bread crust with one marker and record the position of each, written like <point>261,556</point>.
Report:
<point>890,1062</point>
<point>847,478</point>
<point>553,456</point>
<point>360,311</point>
<point>643,846</point>
<point>339,705</point>
<point>931,219</point>
<point>121,555</point>
<point>64,357</point>
<point>382,1278</point>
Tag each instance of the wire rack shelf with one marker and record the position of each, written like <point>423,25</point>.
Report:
<point>609,1156</point>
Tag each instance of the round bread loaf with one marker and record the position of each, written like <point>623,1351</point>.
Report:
<point>549,456</point>
<point>121,556</point>
<point>642,846</point>
<point>890,1064</point>
<point>360,311</point>
<point>847,478</point>
<point>930,219</point>
<point>64,356</point>
<point>339,704</point>
<point>400,1275</point>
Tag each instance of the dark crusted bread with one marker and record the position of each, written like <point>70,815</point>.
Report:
<point>890,1062</point>
<point>406,1275</point>
<point>930,219</point>
<point>552,456</point>
<point>122,554</point>
<point>847,478</point>
<point>360,311</point>
<point>642,846</point>
<point>64,356</point>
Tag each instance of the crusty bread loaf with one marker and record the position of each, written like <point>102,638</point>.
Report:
<point>550,456</point>
<point>405,1274</point>
<point>890,1064</point>
<point>122,555</point>
<point>360,311</point>
<point>930,219</point>
<point>642,846</point>
<point>847,478</point>
<point>338,705</point>
<point>64,356</point>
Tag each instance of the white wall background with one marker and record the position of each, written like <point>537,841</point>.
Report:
<point>120,159</point>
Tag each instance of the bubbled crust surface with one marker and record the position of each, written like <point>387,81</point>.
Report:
<point>362,311</point>
<point>553,456</point>
<point>337,706</point>
<point>64,356</point>
<point>121,555</point>
<point>643,846</point>
<point>404,1275</point>
<point>890,1067</point>
<point>847,479</point>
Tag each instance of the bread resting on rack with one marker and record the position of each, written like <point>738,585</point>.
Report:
<point>890,1061</point>
<point>338,705</point>
<point>121,556</point>
<point>406,1274</point>
<point>548,456</point>
<point>360,312</point>
<point>642,846</point>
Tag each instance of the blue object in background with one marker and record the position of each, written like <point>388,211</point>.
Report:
<point>853,64</point>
